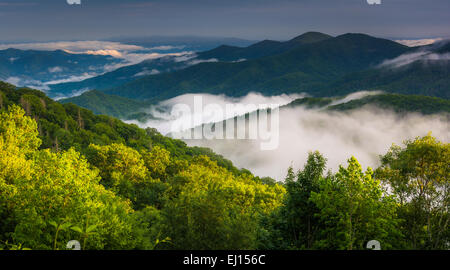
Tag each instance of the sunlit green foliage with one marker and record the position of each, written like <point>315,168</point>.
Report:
<point>119,197</point>
<point>419,175</point>
<point>119,187</point>
<point>210,208</point>
<point>353,210</point>
<point>51,188</point>
<point>65,126</point>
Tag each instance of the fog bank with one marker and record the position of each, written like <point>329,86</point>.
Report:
<point>164,121</point>
<point>365,134</point>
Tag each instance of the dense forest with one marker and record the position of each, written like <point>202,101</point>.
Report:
<point>68,174</point>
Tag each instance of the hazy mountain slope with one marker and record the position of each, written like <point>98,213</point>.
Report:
<point>399,103</point>
<point>49,65</point>
<point>188,43</point>
<point>299,70</point>
<point>120,76</point>
<point>310,102</point>
<point>396,102</point>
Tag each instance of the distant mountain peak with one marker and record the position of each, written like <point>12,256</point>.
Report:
<point>266,42</point>
<point>310,37</point>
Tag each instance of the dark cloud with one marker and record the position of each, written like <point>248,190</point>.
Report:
<point>251,19</point>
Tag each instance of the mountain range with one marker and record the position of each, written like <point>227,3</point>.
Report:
<point>264,48</point>
<point>313,63</point>
<point>224,53</point>
<point>120,76</point>
<point>189,43</point>
<point>305,68</point>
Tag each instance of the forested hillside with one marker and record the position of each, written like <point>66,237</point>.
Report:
<point>62,126</point>
<point>101,103</point>
<point>67,174</point>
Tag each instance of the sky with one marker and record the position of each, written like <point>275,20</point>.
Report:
<point>44,20</point>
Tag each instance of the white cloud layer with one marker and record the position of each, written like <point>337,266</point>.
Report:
<point>146,72</point>
<point>406,59</point>
<point>133,54</point>
<point>198,61</point>
<point>55,70</point>
<point>164,121</point>
<point>13,80</point>
<point>74,46</point>
<point>44,85</point>
<point>355,96</point>
<point>365,133</point>
<point>418,42</point>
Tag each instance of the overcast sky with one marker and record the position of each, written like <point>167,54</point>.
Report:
<point>41,20</point>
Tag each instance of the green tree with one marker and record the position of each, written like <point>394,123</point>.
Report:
<point>295,226</point>
<point>302,224</point>
<point>419,175</point>
<point>354,210</point>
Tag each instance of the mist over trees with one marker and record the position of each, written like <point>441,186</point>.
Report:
<point>72,175</point>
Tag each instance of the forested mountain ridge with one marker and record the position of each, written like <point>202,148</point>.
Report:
<point>312,63</point>
<point>264,48</point>
<point>62,126</point>
<point>120,76</point>
<point>299,70</point>
<point>172,63</point>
